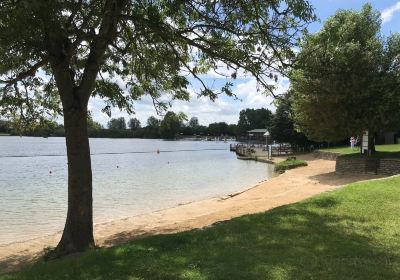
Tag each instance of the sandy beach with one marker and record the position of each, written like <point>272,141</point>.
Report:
<point>292,186</point>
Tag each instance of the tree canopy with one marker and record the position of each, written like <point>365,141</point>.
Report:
<point>134,124</point>
<point>118,123</point>
<point>218,129</point>
<point>171,124</point>
<point>96,47</point>
<point>282,128</point>
<point>253,119</point>
<point>193,123</point>
<point>346,79</point>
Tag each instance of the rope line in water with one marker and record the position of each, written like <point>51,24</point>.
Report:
<point>113,153</point>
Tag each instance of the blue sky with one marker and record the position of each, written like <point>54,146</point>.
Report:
<point>390,9</point>
<point>227,109</point>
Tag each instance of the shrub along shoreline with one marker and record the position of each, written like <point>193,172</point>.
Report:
<point>289,163</point>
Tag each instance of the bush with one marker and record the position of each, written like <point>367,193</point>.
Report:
<point>289,163</point>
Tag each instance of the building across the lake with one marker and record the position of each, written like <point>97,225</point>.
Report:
<point>257,135</point>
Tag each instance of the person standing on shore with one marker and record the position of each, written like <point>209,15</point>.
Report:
<point>352,142</point>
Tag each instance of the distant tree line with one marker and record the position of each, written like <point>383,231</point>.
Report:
<point>171,126</point>
<point>4,126</point>
<point>177,125</point>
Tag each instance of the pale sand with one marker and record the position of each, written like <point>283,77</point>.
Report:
<point>290,187</point>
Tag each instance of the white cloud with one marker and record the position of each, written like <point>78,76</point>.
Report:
<point>387,14</point>
<point>224,109</point>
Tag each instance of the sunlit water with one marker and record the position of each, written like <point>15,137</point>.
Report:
<point>33,182</point>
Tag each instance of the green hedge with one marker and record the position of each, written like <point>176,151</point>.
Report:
<point>289,163</point>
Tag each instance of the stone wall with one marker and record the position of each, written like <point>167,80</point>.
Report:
<point>389,166</point>
<point>346,164</point>
<point>325,155</point>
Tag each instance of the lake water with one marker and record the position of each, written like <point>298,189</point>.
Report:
<point>33,179</point>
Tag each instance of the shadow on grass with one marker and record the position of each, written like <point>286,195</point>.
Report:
<point>376,155</point>
<point>317,239</point>
<point>338,179</point>
<point>15,261</point>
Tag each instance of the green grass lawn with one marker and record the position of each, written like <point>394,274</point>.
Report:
<point>382,150</point>
<point>351,233</point>
<point>289,164</point>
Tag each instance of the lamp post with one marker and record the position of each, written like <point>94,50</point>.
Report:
<point>266,134</point>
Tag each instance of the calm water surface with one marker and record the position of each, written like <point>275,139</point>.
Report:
<point>33,200</point>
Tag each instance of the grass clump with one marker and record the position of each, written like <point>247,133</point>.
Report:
<point>289,163</point>
<point>350,233</point>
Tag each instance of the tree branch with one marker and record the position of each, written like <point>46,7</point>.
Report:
<point>107,34</point>
<point>25,74</point>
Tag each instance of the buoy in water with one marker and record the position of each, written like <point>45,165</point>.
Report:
<point>50,172</point>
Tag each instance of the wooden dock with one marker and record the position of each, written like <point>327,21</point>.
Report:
<point>260,150</point>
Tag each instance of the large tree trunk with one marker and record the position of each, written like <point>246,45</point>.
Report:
<point>371,143</point>
<point>78,230</point>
